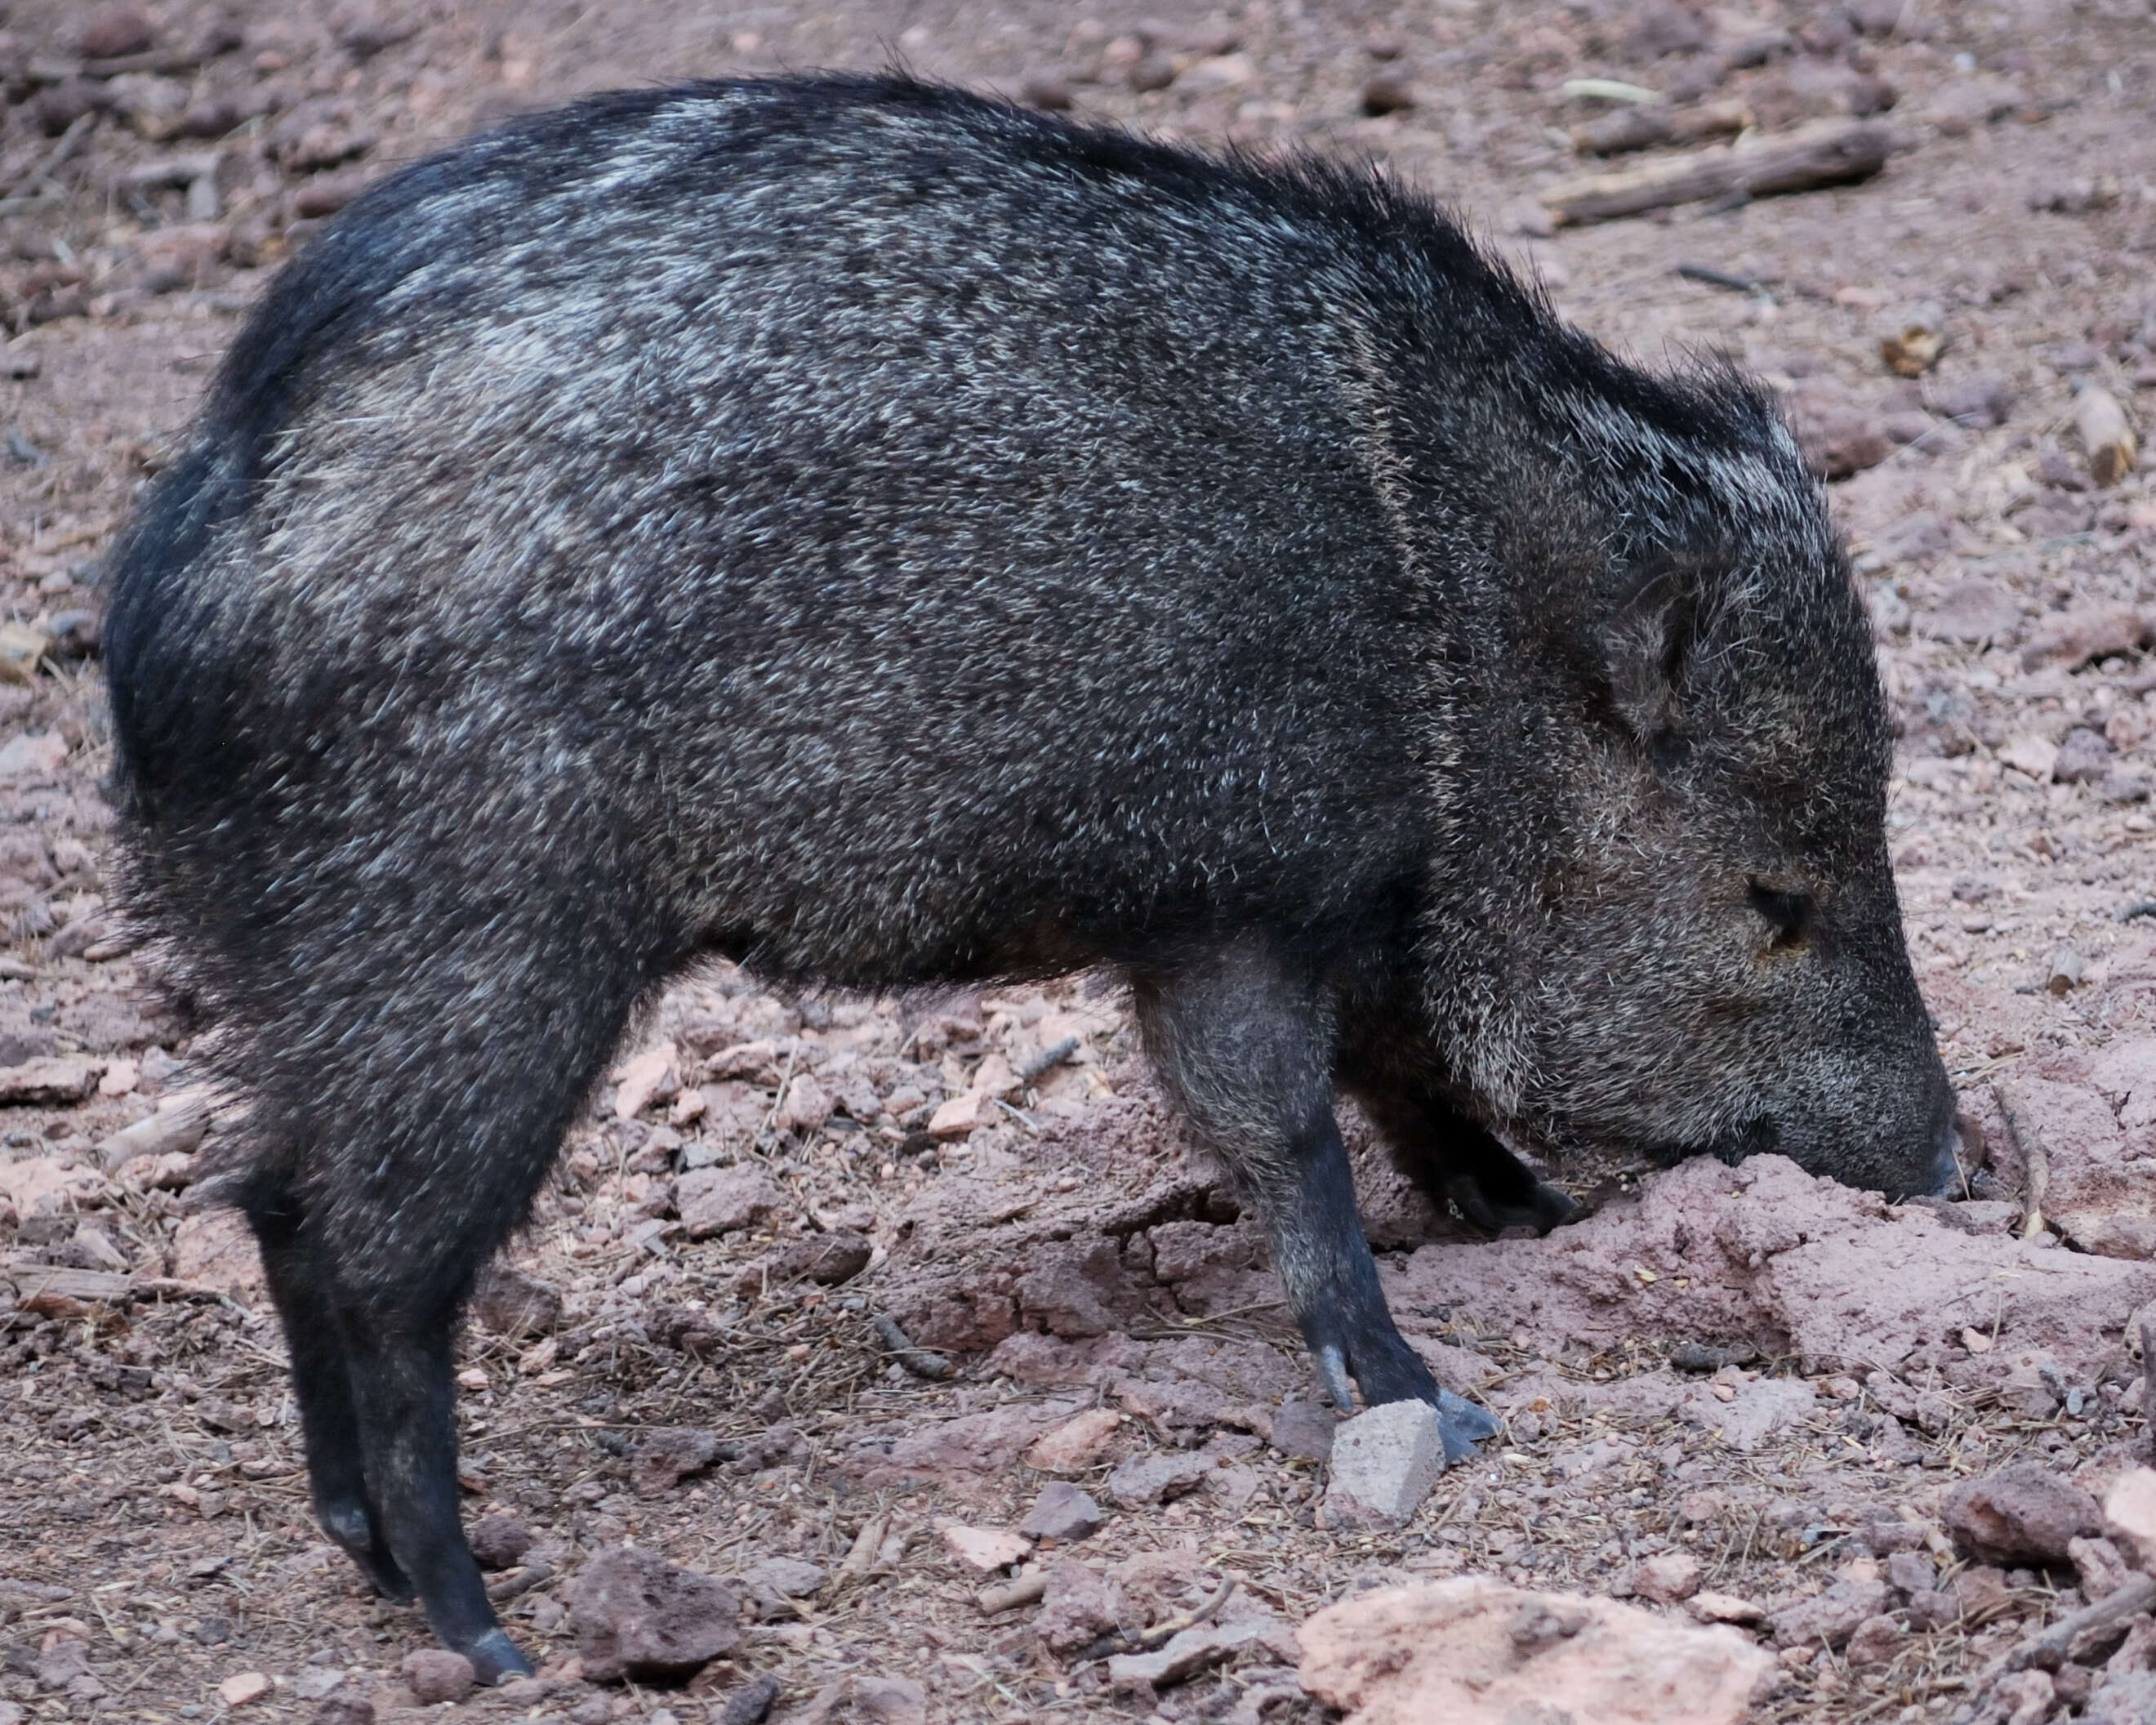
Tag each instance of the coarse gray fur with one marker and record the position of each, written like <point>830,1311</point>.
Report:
<point>892,538</point>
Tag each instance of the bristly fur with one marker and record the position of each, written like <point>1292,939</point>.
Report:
<point>889,537</point>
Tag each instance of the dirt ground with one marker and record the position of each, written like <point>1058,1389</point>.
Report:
<point>1778,1377</point>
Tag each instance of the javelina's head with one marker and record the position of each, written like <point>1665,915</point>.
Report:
<point>1697,749</point>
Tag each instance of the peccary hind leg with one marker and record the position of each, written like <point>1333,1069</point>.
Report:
<point>321,1385</point>
<point>1243,1043</point>
<point>1452,1157</point>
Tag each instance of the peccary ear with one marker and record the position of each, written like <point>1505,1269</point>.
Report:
<point>1649,642</point>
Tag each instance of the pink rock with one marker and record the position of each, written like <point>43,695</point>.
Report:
<point>1875,1641</point>
<point>958,1118</point>
<point>436,1675</point>
<point>2130,1514</point>
<point>984,1550</point>
<point>1668,1577</point>
<point>638,1615</point>
<point>1473,1651</point>
<point>2023,1513</point>
<point>2074,638</point>
<point>1079,1607</point>
<point>215,1249</point>
<point>647,1079</point>
<point>1075,1443</point>
<point>718,1200</point>
<point>1973,610</point>
<point>806,1106</point>
<point>113,31</point>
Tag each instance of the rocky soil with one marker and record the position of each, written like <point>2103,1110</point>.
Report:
<point>914,1323</point>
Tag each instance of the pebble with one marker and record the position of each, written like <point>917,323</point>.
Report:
<point>115,31</point>
<point>1079,1605</point>
<point>242,1687</point>
<point>513,1303</point>
<point>718,1200</point>
<point>1062,1512</point>
<point>499,1542</point>
<point>1184,1656</point>
<point>638,1615</point>
<point>1911,1571</point>
<point>751,1703</point>
<point>1831,1617</point>
<point>436,1675</point>
<point>1388,92</point>
<point>2129,1515</point>
<point>1668,1577</point>
<point>1139,1480</point>
<point>1384,1463</point>
<point>2023,1513</point>
<point>826,1259</point>
<point>1075,1443</point>
<point>984,1550</point>
<point>1304,1431</point>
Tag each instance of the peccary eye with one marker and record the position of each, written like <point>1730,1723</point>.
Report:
<point>1789,912</point>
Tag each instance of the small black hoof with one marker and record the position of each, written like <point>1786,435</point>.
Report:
<point>1462,1426</point>
<point>351,1526</point>
<point>495,1659</point>
<point>1545,1209</point>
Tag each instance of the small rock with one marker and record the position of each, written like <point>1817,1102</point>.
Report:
<point>1075,1443</point>
<point>1079,1607</point>
<point>1062,1512</point>
<point>1304,1431</point>
<point>499,1542</point>
<point>826,1259</point>
<point>1875,1641</point>
<point>665,1458</point>
<point>1963,105</point>
<point>1975,611</point>
<point>1388,92</point>
<point>1831,1617</point>
<point>58,1082</point>
<point>1980,1590</point>
<point>772,1583</point>
<point>115,31</point>
<point>2129,1515</point>
<point>2102,1570</point>
<point>2084,757</point>
<point>1152,71</point>
<point>718,1200</point>
<point>2023,1513</point>
<point>511,1302</point>
<point>1838,435</point>
<point>958,1118</point>
<point>436,1675</point>
<point>2072,639</point>
<point>751,1703</point>
<point>345,1710</point>
<point>649,1077</point>
<point>985,1549</point>
<point>866,1701</point>
<point>1141,1480</point>
<point>242,1687</point>
<point>1668,1577</point>
<point>1724,1608</point>
<point>638,1615</point>
<point>1981,401</point>
<point>2032,754</point>
<point>1934,1609</point>
<point>1047,91</point>
<point>1911,1571</point>
<point>1185,1655</point>
<point>1384,1463</point>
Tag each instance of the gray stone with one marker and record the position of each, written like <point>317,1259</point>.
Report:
<point>1062,1512</point>
<point>1304,1430</point>
<point>1185,1655</point>
<point>1831,1617</point>
<point>638,1615</point>
<point>1143,1480</point>
<point>1384,1463</point>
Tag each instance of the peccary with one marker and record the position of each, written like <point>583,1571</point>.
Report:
<point>892,539</point>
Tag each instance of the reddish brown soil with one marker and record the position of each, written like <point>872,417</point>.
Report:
<point>1073,1252</point>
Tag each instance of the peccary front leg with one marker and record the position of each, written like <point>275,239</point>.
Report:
<point>1451,1156</point>
<point>1244,1042</point>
